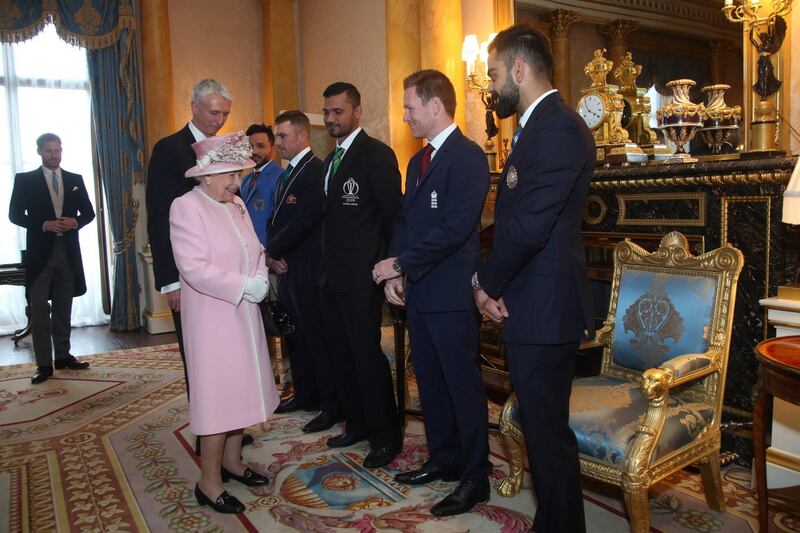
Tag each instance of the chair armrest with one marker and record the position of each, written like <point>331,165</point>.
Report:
<point>605,334</point>
<point>690,366</point>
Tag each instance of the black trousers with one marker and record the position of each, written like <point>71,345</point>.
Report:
<point>445,351</point>
<point>310,358</point>
<point>54,282</point>
<point>176,318</point>
<point>542,378</point>
<point>361,370</point>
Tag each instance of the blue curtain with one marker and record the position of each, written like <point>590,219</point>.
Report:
<point>106,28</point>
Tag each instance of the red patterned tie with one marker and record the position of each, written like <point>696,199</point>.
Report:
<point>426,161</point>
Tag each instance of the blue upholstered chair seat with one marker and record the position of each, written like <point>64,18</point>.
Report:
<point>605,428</point>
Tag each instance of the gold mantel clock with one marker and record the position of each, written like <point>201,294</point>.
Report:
<point>601,107</point>
<point>636,111</point>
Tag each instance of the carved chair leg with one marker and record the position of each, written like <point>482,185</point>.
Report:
<point>638,510</point>
<point>512,437</point>
<point>712,481</point>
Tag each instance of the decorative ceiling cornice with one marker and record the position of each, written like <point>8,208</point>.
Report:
<point>698,18</point>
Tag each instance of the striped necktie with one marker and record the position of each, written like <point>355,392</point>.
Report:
<point>337,158</point>
<point>54,181</point>
<point>515,138</point>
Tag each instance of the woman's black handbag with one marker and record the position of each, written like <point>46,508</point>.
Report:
<point>277,322</point>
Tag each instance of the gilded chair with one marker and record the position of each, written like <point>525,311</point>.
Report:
<point>656,405</point>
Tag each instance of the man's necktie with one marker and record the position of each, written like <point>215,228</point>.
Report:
<point>515,138</point>
<point>337,158</point>
<point>426,161</point>
<point>283,182</point>
<point>253,179</point>
<point>54,181</point>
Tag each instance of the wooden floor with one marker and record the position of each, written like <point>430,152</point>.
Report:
<point>85,341</point>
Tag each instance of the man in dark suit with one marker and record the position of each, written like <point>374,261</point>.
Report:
<point>294,251</point>
<point>52,205</point>
<point>535,279</point>
<point>172,156</point>
<point>362,187</point>
<point>435,247</point>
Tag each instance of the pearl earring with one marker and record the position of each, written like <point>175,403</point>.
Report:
<point>208,180</point>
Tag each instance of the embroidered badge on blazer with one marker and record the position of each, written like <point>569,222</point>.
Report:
<point>259,204</point>
<point>350,189</point>
<point>434,200</point>
<point>511,177</point>
<point>291,199</point>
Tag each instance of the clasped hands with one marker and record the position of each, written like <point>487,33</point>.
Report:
<point>60,224</point>
<point>394,289</point>
<point>495,309</point>
<point>255,288</point>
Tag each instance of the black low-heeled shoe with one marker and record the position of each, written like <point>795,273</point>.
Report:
<point>249,478</point>
<point>225,502</point>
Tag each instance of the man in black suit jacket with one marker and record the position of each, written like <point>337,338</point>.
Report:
<point>172,156</point>
<point>535,279</point>
<point>362,186</point>
<point>52,205</point>
<point>435,246</point>
<point>294,252</point>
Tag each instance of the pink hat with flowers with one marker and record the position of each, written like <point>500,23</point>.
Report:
<point>220,154</point>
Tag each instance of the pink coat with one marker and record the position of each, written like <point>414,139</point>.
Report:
<point>230,378</point>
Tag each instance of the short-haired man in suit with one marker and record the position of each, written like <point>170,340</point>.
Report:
<point>435,248</point>
<point>172,156</point>
<point>294,251</point>
<point>52,205</point>
<point>535,279</point>
<point>362,187</point>
<point>258,187</point>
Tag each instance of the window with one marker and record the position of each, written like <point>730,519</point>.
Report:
<point>44,87</point>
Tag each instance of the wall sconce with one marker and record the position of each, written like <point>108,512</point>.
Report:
<point>471,52</point>
<point>764,24</point>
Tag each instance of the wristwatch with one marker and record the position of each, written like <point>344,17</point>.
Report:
<point>475,283</point>
<point>397,266</point>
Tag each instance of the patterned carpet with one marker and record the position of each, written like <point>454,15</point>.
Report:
<point>109,450</point>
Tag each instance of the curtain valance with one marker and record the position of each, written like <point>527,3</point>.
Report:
<point>91,24</point>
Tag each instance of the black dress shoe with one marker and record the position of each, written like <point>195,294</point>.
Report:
<point>344,440</point>
<point>71,363</point>
<point>427,473</point>
<point>247,440</point>
<point>291,405</point>
<point>381,457</point>
<point>324,420</point>
<point>465,497</point>
<point>249,477</point>
<point>225,502</point>
<point>41,374</point>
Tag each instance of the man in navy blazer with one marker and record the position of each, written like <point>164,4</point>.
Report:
<point>362,198</point>
<point>294,252</point>
<point>52,205</point>
<point>435,249</point>
<point>258,187</point>
<point>535,279</point>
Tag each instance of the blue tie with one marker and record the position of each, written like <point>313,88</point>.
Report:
<point>515,138</point>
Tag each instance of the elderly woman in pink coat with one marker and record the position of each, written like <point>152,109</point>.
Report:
<point>223,277</point>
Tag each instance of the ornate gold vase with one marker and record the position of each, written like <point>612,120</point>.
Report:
<point>719,119</point>
<point>680,120</point>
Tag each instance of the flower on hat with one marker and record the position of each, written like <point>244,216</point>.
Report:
<point>235,149</point>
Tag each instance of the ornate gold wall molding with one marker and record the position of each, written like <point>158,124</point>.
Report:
<point>560,21</point>
<point>750,178</point>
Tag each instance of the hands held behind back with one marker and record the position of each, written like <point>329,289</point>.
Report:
<point>494,309</point>
<point>278,265</point>
<point>395,291</point>
<point>384,270</point>
<point>255,288</point>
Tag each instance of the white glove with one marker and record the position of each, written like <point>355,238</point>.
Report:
<point>255,288</point>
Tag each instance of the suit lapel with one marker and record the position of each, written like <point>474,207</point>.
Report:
<point>440,155</point>
<point>40,189</point>
<point>296,172</point>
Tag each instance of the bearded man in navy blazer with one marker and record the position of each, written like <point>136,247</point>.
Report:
<point>52,205</point>
<point>362,188</point>
<point>435,250</point>
<point>535,279</point>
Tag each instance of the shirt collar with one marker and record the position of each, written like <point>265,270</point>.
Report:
<point>527,114</point>
<point>349,139</point>
<point>262,167</point>
<point>300,155</point>
<point>46,171</point>
<point>439,139</point>
<point>198,135</point>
